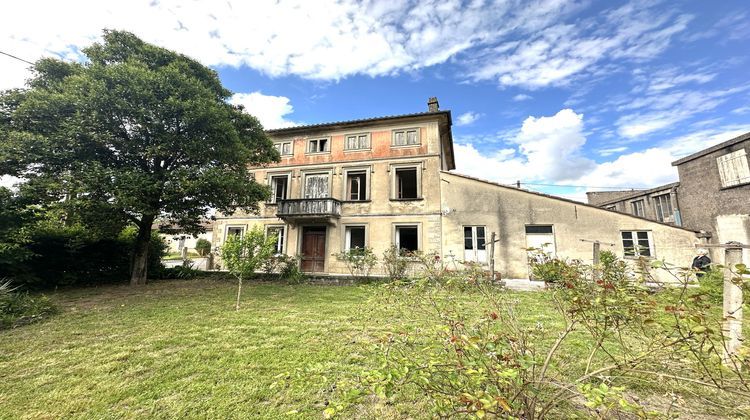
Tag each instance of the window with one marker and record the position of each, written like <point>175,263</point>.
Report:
<point>235,231</point>
<point>408,137</point>
<point>733,168</point>
<point>356,185</point>
<point>407,238</point>
<point>279,232</point>
<point>407,183</point>
<point>637,243</point>
<point>279,188</point>
<point>475,244</point>
<point>612,207</point>
<point>316,186</point>
<point>663,205</point>
<point>317,146</point>
<point>637,207</point>
<point>357,142</point>
<point>354,237</point>
<point>284,148</point>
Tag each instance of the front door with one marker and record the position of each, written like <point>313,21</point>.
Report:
<point>313,249</point>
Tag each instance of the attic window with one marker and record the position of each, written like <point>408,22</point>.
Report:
<point>317,146</point>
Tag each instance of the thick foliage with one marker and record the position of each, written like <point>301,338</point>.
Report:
<point>359,261</point>
<point>203,247</point>
<point>20,308</point>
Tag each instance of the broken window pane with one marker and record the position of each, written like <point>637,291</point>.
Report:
<point>407,238</point>
<point>356,189</point>
<point>355,237</point>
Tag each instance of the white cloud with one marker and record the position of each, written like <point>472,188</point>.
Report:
<point>528,44</point>
<point>269,110</point>
<point>522,97</point>
<point>548,150</point>
<point>467,118</point>
<point>544,148</point>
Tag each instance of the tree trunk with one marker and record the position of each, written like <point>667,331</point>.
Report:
<point>139,274</point>
<point>239,291</point>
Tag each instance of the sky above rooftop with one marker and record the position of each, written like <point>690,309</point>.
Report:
<point>589,95</point>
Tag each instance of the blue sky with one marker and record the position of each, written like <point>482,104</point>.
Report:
<point>583,94</point>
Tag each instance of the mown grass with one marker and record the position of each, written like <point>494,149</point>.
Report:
<point>176,349</point>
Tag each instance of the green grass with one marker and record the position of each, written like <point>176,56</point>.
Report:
<point>175,349</point>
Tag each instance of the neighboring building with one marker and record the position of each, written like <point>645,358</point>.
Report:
<point>176,240</point>
<point>383,181</point>
<point>660,203</point>
<point>715,191</point>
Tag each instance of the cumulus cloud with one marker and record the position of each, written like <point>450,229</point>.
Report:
<point>549,150</point>
<point>543,148</point>
<point>527,44</point>
<point>269,110</point>
<point>467,118</point>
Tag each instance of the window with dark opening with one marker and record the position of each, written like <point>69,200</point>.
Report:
<point>538,229</point>
<point>406,183</point>
<point>317,146</point>
<point>356,186</point>
<point>407,238</point>
<point>235,231</point>
<point>355,237</point>
<point>279,186</point>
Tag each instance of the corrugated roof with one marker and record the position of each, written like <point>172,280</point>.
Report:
<point>712,149</point>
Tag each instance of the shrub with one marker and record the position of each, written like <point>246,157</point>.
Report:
<point>203,246</point>
<point>359,261</point>
<point>180,272</point>
<point>20,308</point>
<point>550,269</point>
<point>289,270</point>
<point>395,263</point>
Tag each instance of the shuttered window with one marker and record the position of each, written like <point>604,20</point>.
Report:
<point>409,137</point>
<point>733,168</point>
<point>357,142</point>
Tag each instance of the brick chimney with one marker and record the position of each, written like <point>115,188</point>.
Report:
<point>432,105</point>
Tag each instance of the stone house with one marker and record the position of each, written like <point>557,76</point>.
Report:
<point>714,191</point>
<point>660,203</point>
<point>388,181</point>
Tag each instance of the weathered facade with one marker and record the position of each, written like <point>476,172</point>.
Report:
<point>387,181</point>
<point>660,203</point>
<point>715,191</point>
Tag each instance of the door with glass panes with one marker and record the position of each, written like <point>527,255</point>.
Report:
<point>475,244</point>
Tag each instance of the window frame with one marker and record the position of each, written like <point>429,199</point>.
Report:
<point>305,174</point>
<point>282,239</point>
<point>346,239</point>
<point>242,228</point>
<point>281,148</point>
<point>659,211</point>
<point>475,242</point>
<point>395,240</point>
<point>270,176</point>
<point>367,135</point>
<point>345,191</point>
<point>722,163</point>
<point>394,181</point>
<point>634,207</point>
<point>636,247</point>
<point>317,140</point>
<point>418,135</point>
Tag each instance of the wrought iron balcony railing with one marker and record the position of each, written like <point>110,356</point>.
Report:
<point>309,208</point>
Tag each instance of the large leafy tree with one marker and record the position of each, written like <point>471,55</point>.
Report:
<point>134,133</point>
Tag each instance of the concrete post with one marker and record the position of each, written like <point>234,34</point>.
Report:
<point>184,252</point>
<point>732,325</point>
<point>210,261</point>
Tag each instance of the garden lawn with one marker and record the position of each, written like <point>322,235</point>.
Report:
<point>178,349</point>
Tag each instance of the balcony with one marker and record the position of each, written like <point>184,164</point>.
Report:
<point>309,209</point>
